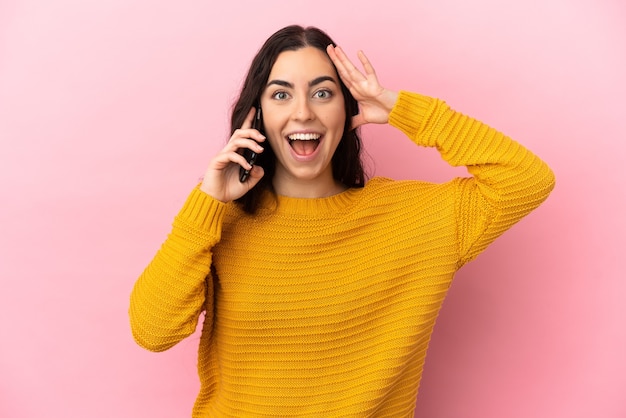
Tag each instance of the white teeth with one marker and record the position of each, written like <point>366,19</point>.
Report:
<point>304,137</point>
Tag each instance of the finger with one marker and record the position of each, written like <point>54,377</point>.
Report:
<point>330,49</point>
<point>367,65</point>
<point>246,133</point>
<point>233,153</point>
<point>256,173</point>
<point>244,138</point>
<point>238,144</point>
<point>339,57</point>
<point>247,123</point>
<point>356,121</point>
<point>225,159</point>
<point>341,61</point>
<point>349,68</point>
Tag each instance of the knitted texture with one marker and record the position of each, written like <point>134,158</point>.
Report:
<point>325,307</point>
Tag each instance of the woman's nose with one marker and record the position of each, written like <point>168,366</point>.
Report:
<point>303,110</point>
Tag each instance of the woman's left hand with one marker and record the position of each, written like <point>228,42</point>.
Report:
<point>375,101</point>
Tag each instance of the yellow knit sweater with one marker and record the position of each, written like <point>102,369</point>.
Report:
<point>325,307</point>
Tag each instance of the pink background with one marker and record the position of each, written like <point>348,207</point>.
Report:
<point>110,110</point>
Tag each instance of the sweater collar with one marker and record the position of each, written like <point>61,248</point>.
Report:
<point>310,207</point>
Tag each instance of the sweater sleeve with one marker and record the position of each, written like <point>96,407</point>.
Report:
<point>173,290</point>
<point>508,180</point>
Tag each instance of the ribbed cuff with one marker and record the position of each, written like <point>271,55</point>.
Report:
<point>203,210</point>
<point>410,112</point>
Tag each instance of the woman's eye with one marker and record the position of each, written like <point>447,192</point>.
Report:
<point>280,95</point>
<point>323,94</point>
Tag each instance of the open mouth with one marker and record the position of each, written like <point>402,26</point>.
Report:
<point>304,144</point>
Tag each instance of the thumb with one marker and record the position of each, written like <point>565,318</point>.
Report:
<point>357,120</point>
<point>256,174</point>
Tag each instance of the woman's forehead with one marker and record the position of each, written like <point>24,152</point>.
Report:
<point>304,63</point>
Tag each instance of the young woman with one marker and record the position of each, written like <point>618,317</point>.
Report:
<point>320,290</point>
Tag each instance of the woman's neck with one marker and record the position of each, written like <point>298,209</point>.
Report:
<point>309,189</point>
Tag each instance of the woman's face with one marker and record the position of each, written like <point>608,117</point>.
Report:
<point>303,117</point>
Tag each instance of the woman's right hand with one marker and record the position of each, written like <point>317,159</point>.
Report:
<point>221,179</point>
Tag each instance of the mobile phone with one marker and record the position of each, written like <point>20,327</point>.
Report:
<point>248,154</point>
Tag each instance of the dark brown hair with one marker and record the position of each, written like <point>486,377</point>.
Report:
<point>346,162</point>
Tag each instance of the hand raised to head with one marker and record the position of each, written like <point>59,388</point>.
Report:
<point>375,101</point>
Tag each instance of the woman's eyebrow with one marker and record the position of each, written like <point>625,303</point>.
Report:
<point>312,83</point>
<point>280,83</point>
<point>321,79</point>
